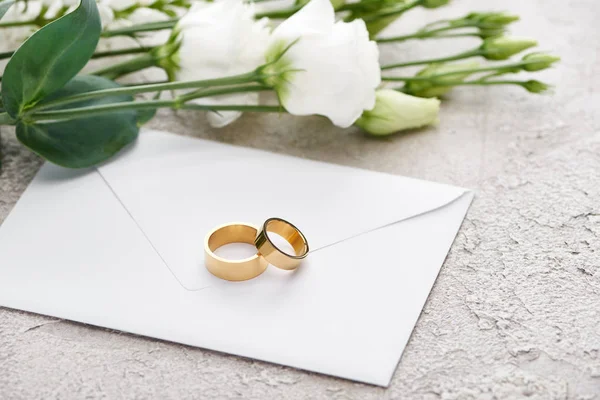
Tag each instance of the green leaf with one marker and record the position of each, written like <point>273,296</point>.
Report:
<point>50,58</point>
<point>144,116</point>
<point>4,6</point>
<point>84,142</point>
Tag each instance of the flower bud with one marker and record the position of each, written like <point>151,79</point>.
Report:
<point>502,48</point>
<point>492,19</point>
<point>539,61</point>
<point>395,111</point>
<point>534,86</point>
<point>428,88</point>
<point>434,3</point>
<point>485,33</point>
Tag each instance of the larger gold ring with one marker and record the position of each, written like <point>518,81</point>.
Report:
<point>232,270</point>
<point>272,253</point>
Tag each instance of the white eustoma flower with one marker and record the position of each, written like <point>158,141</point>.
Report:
<point>395,111</point>
<point>319,66</point>
<point>218,40</point>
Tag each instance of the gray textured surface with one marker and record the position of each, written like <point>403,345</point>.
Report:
<point>515,311</point>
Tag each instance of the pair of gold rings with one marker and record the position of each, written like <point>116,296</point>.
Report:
<point>267,251</point>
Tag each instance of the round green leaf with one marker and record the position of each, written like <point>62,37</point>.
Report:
<point>50,58</point>
<point>83,142</point>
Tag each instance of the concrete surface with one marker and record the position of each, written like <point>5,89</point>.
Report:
<point>515,312</point>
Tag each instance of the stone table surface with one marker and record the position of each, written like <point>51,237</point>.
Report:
<point>515,311</point>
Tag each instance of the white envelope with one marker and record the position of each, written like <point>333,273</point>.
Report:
<point>120,247</point>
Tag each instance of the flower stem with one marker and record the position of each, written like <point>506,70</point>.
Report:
<point>147,27</point>
<point>480,82</point>
<point>127,67</point>
<point>498,68</point>
<point>100,54</point>
<point>427,32</point>
<point>244,108</point>
<point>122,52</point>
<point>425,35</point>
<point>89,111</point>
<point>157,87</point>
<point>12,24</point>
<point>219,91</point>
<point>460,56</point>
<point>85,112</point>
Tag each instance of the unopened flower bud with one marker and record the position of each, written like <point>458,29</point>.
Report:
<point>489,33</point>
<point>539,61</point>
<point>502,48</point>
<point>430,88</point>
<point>492,19</point>
<point>395,111</point>
<point>534,86</point>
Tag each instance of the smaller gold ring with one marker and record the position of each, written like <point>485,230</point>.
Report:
<point>232,270</point>
<point>272,253</point>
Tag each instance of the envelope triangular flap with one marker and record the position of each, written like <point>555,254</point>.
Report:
<point>178,188</point>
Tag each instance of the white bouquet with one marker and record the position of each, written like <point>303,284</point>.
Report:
<point>322,58</point>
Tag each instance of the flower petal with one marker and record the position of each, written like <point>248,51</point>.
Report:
<point>317,17</point>
<point>218,40</point>
<point>331,69</point>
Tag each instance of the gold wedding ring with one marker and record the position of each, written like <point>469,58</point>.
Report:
<point>272,253</point>
<point>233,270</point>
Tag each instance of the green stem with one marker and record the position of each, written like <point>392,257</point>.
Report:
<point>127,67</point>
<point>480,83</point>
<point>100,54</point>
<point>157,87</point>
<point>222,91</point>
<point>90,111</point>
<point>428,33</point>
<point>424,35</point>
<point>460,56</point>
<point>457,72</point>
<point>244,108</point>
<point>148,27</point>
<point>122,52</point>
<point>13,24</point>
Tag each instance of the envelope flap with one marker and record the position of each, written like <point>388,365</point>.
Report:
<point>178,188</point>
